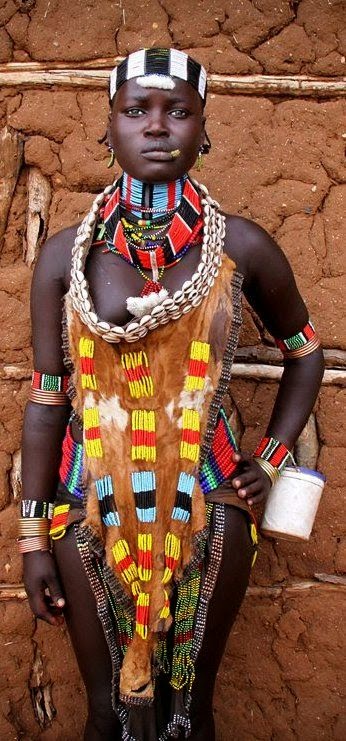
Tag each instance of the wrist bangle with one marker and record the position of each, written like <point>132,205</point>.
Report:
<point>33,526</point>
<point>32,508</point>
<point>270,470</point>
<point>276,453</point>
<point>40,543</point>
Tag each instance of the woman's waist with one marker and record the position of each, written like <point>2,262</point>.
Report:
<point>213,475</point>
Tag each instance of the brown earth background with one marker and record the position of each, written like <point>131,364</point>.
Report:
<point>276,158</point>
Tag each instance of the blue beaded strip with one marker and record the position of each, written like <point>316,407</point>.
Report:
<point>144,489</point>
<point>182,507</point>
<point>105,495</point>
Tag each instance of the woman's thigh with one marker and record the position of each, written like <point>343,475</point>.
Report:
<point>224,605</point>
<point>86,634</point>
<point>89,642</point>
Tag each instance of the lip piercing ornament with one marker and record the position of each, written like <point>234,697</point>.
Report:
<point>175,153</point>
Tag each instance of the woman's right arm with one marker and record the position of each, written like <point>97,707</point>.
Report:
<point>45,425</point>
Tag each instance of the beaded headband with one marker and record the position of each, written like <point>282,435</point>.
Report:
<point>156,68</point>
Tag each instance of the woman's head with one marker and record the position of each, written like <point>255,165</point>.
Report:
<point>157,123</point>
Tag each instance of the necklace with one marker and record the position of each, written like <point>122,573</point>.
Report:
<point>142,198</point>
<point>191,294</point>
<point>186,224</point>
<point>184,227</point>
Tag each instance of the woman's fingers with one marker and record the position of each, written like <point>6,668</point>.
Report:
<point>43,586</point>
<point>250,482</point>
<point>245,478</point>
<point>240,457</point>
<point>55,591</point>
<point>42,609</point>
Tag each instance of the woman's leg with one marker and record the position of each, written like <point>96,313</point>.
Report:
<point>88,642</point>
<point>223,608</point>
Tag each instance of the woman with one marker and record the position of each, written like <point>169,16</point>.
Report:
<point>152,526</point>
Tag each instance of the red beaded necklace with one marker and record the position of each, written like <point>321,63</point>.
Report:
<point>184,230</point>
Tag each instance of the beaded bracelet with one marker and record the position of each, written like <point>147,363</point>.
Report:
<point>49,389</point>
<point>300,344</point>
<point>31,508</point>
<point>274,452</point>
<point>39,543</point>
<point>28,526</point>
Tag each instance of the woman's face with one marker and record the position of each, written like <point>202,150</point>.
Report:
<point>148,123</point>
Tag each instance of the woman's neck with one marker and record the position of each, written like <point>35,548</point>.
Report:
<point>150,200</point>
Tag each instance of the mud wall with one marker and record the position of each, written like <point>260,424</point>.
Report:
<point>276,158</point>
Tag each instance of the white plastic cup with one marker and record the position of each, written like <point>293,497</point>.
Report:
<point>292,504</point>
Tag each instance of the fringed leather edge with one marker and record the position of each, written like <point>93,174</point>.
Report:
<point>226,371</point>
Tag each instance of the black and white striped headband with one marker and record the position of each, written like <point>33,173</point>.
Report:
<point>156,68</point>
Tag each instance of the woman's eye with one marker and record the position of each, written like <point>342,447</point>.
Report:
<point>134,112</point>
<point>179,113</point>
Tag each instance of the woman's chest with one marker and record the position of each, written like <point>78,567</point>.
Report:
<point>112,281</point>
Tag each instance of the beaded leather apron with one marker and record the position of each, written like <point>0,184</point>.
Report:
<point>149,411</point>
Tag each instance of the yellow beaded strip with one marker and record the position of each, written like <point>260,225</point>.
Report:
<point>142,615</point>
<point>254,538</point>
<point>92,434</point>
<point>143,435</point>
<point>138,375</point>
<point>165,612</point>
<point>172,555</point>
<point>86,354</point>
<point>190,436</point>
<point>199,358</point>
<point>59,521</point>
<point>124,561</point>
<point>145,558</point>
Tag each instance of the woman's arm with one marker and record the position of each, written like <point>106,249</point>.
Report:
<point>271,290</point>
<point>44,425</point>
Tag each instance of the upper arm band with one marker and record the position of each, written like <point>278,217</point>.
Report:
<point>49,389</point>
<point>300,344</point>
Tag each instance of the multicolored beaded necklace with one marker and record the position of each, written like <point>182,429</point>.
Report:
<point>147,245</point>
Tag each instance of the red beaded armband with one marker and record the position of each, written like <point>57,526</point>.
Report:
<point>300,344</point>
<point>273,452</point>
<point>49,389</point>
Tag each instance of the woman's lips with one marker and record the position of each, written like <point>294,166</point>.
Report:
<point>159,156</point>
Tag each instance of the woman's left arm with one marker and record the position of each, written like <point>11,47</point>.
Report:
<point>271,290</point>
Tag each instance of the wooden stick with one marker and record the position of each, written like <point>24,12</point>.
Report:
<point>301,586</point>
<point>12,591</point>
<point>101,63</point>
<point>39,197</point>
<point>97,76</point>
<point>273,356</point>
<point>17,591</point>
<point>256,371</point>
<point>263,372</point>
<point>11,157</point>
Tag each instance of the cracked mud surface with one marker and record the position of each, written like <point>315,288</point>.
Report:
<point>277,161</point>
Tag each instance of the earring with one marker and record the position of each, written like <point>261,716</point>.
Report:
<point>112,158</point>
<point>204,149</point>
<point>199,161</point>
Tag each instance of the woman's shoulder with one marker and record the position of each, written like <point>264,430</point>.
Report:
<point>55,255</point>
<point>249,245</point>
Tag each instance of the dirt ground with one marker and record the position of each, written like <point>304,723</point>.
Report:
<point>275,159</point>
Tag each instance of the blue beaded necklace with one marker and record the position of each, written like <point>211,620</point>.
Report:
<point>146,200</point>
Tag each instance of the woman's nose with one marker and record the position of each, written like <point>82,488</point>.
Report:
<point>156,125</point>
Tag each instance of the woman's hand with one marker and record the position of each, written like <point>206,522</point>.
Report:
<point>40,577</point>
<point>250,482</point>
